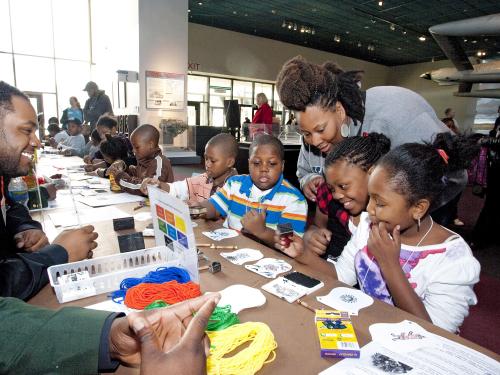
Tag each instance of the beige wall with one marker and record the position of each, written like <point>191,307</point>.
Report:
<point>439,97</point>
<point>226,52</point>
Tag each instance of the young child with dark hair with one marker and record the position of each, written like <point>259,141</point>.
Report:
<point>113,151</point>
<point>56,135</point>
<point>258,202</point>
<point>108,125</point>
<point>150,161</point>
<point>341,200</point>
<point>75,143</point>
<point>399,254</point>
<point>221,152</point>
<point>92,146</point>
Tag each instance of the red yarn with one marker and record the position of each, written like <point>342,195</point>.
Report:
<point>141,295</point>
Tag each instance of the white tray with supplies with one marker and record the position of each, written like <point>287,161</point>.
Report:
<point>90,277</point>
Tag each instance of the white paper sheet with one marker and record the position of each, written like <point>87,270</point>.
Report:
<point>106,199</point>
<point>109,306</point>
<point>444,358</point>
<point>86,216</point>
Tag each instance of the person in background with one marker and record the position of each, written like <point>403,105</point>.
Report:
<point>25,253</point>
<point>221,152</point>
<point>56,134</point>
<point>485,232</point>
<point>151,163</point>
<point>450,121</point>
<point>73,111</point>
<point>96,105</point>
<point>74,145</point>
<point>92,145</point>
<point>264,115</point>
<point>257,203</point>
<point>398,254</point>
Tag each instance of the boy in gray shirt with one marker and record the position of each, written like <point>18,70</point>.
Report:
<point>74,145</point>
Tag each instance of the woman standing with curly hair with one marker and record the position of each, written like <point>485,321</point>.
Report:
<point>330,107</point>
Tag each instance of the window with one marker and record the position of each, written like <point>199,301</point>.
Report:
<point>35,74</point>
<point>5,42</point>
<point>6,68</point>
<point>243,92</point>
<point>71,79</point>
<point>220,90</point>
<point>71,29</point>
<point>32,27</point>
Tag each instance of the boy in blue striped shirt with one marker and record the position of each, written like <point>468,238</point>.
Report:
<point>258,202</point>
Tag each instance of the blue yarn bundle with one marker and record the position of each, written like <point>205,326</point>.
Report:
<point>159,276</point>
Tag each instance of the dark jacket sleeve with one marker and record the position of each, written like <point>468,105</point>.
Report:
<point>22,275</point>
<point>64,118</point>
<point>19,219</point>
<point>41,341</point>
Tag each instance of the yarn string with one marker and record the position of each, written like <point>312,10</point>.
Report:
<point>221,318</point>
<point>247,361</point>
<point>159,276</point>
<point>140,296</point>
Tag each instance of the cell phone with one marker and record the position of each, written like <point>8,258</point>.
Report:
<point>308,282</point>
<point>285,232</point>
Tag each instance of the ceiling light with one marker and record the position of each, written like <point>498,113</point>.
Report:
<point>336,38</point>
<point>371,47</point>
<point>295,27</point>
<point>189,10</point>
<point>474,42</point>
<point>200,3</point>
<point>313,32</point>
<point>283,24</point>
<point>422,38</point>
<point>380,3</point>
<point>404,32</point>
<point>273,11</point>
<point>235,12</point>
<point>392,27</point>
<point>359,44</point>
<point>481,53</point>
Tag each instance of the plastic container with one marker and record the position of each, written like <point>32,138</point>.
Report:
<point>102,275</point>
<point>18,191</point>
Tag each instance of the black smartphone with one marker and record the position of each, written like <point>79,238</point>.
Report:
<point>303,280</point>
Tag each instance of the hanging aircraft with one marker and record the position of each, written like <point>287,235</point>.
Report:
<point>449,36</point>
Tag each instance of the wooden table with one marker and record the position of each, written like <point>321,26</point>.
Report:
<point>293,325</point>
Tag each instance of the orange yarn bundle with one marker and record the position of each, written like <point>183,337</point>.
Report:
<point>140,296</point>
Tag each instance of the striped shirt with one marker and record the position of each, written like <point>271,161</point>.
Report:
<point>284,203</point>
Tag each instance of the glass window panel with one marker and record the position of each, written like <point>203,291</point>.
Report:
<point>220,90</point>
<point>6,69</point>
<point>35,74</point>
<point>32,27</point>
<point>71,79</point>
<point>278,106</point>
<point>266,88</point>
<point>217,116</point>
<point>5,42</point>
<point>50,106</point>
<point>197,88</point>
<point>243,92</point>
<point>246,112</point>
<point>71,29</point>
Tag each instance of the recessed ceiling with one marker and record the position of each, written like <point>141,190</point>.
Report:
<point>387,34</point>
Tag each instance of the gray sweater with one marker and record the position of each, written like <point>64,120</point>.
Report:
<point>75,143</point>
<point>401,115</point>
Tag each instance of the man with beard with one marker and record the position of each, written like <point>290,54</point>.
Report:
<point>26,253</point>
<point>74,340</point>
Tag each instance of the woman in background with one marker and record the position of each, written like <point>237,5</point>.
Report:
<point>73,111</point>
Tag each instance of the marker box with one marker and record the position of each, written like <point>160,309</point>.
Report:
<point>337,338</point>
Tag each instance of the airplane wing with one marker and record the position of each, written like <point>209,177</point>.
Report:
<point>453,50</point>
